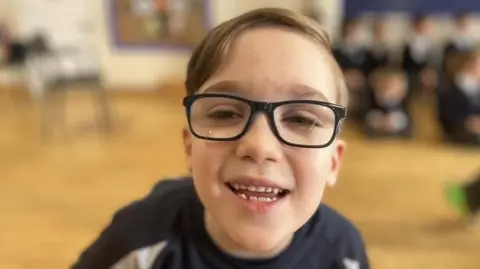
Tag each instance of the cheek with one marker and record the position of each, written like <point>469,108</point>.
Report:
<point>312,170</point>
<point>207,158</point>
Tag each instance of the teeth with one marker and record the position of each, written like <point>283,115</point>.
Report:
<point>256,188</point>
<point>258,199</point>
<point>261,189</point>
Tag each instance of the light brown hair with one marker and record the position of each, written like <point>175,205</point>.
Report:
<point>208,56</point>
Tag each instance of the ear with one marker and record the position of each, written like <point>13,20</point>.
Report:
<point>338,152</point>
<point>187,146</point>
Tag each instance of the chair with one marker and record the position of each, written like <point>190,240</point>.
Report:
<point>53,72</point>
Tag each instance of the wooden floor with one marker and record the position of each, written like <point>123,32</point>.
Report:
<point>56,196</point>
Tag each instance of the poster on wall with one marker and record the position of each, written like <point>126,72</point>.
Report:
<point>159,23</point>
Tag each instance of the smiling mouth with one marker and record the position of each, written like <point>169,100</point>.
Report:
<point>257,193</point>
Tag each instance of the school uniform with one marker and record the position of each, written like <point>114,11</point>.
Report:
<point>457,44</point>
<point>377,57</point>
<point>165,230</point>
<point>402,123</point>
<point>354,58</point>
<point>416,58</point>
<point>456,105</point>
<point>351,57</point>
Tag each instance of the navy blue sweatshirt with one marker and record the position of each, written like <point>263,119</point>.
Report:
<point>166,230</point>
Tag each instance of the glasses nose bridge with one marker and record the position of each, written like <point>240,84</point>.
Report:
<point>261,107</point>
<point>265,108</point>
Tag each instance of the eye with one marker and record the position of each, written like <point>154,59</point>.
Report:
<point>302,120</point>
<point>222,114</point>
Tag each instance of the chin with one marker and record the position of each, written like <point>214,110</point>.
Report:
<point>260,242</point>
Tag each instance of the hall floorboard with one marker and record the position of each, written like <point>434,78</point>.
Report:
<point>56,195</point>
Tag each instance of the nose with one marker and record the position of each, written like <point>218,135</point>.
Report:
<point>259,144</point>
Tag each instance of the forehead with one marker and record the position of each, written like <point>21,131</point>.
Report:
<point>274,64</point>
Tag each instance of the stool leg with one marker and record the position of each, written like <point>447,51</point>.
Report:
<point>103,111</point>
<point>46,114</point>
<point>52,108</point>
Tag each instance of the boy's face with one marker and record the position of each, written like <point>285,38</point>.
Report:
<point>264,64</point>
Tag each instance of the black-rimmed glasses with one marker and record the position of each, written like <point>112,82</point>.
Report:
<point>299,123</point>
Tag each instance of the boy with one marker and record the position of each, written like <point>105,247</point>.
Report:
<point>257,178</point>
<point>459,106</point>
<point>388,112</point>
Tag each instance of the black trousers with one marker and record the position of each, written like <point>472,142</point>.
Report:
<point>472,191</point>
<point>463,137</point>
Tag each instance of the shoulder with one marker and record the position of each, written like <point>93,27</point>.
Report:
<point>344,239</point>
<point>157,210</point>
<point>143,224</point>
<point>337,228</point>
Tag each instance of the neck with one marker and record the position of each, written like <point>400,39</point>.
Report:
<point>227,244</point>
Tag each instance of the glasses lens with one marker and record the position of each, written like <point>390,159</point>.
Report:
<point>218,117</point>
<point>305,124</point>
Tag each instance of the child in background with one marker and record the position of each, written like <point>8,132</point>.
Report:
<point>459,106</point>
<point>378,55</point>
<point>460,42</point>
<point>264,105</point>
<point>352,55</point>
<point>388,114</point>
<point>418,61</point>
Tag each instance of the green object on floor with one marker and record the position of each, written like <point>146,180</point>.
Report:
<point>457,199</point>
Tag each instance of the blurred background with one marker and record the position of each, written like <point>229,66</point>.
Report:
<point>91,118</point>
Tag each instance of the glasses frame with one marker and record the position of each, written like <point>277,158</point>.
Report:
<point>268,108</point>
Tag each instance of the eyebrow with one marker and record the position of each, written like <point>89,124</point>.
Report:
<point>295,91</point>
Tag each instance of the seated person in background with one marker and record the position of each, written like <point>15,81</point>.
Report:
<point>418,61</point>
<point>459,106</point>
<point>459,42</point>
<point>378,55</point>
<point>388,113</point>
<point>351,55</point>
